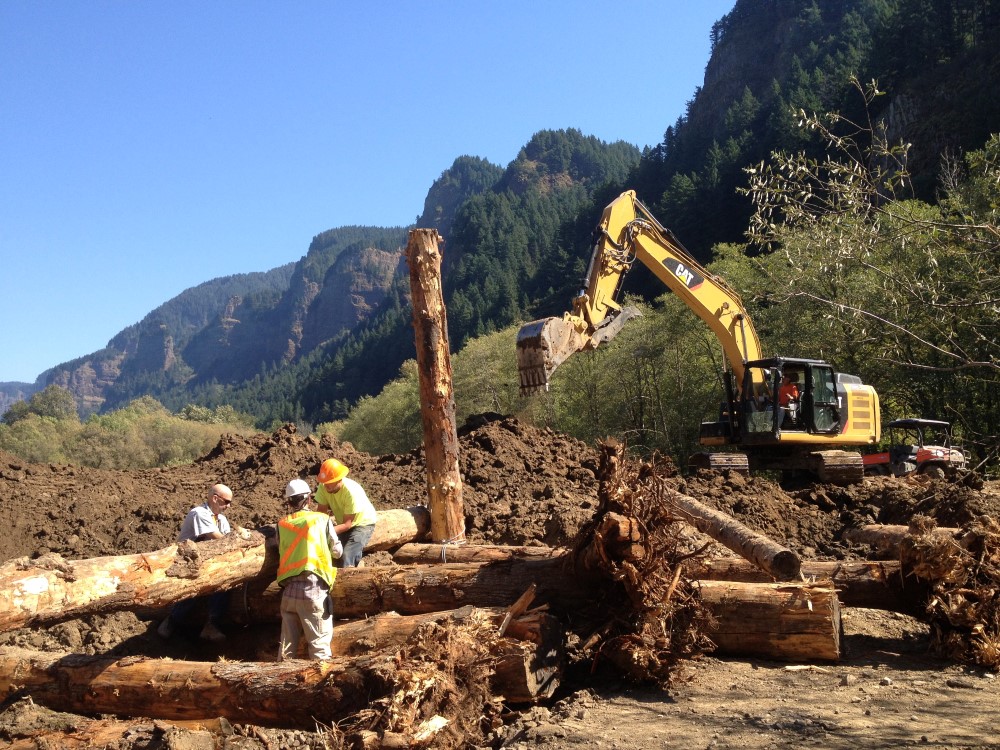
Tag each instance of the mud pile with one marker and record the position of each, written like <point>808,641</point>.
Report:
<point>522,485</point>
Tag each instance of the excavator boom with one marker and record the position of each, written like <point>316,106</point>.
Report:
<point>628,232</point>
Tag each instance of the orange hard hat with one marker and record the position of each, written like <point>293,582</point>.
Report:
<point>331,470</point>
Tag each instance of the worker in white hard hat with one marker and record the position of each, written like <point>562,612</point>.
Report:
<point>307,546</point>
<point>348,503</point>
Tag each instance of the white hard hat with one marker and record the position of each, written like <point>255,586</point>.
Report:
<point>297,487</point>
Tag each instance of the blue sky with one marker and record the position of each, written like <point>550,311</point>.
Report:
<point>146,147</point>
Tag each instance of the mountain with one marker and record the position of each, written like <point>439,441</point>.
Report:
<point>305,341</point>
<point>937,61</point>
<point>222,339</point>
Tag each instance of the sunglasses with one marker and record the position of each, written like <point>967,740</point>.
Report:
<point>224,500</point>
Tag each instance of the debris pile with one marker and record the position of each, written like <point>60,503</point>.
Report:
<point>963,572</point>
<point>599,554</point>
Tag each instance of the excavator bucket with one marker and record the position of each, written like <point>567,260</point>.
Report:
<point>542,346</point>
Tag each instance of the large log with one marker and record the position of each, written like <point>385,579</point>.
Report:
<point>859,583</point>
<point>78,733</point>
<point>50,588</point>
<point>437,395</point>
<point>415,553</point>
<point>786,622</point>
<point>423,589</point>
<point>419,589</point>
<point>398,526</point>
<point>294,693</point>
<point>391,630</point>
<point>779,561</point>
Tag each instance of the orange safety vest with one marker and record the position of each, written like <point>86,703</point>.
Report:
<point>303,546</point>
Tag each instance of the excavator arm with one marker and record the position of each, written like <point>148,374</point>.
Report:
<point>628,232</point>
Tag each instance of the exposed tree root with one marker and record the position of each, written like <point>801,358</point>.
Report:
<point>964,575</point>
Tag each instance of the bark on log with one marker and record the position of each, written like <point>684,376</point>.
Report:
<point>872,585</point>
<point>437,395</point>
<point>787,622</point>
<point>388,630</point>
<point>294,694</point>
<point>399,526</point>
<point>391,629</point>
<point>428,554</point>
<point>859,583</point>
<point>419,589</point>
<point>85,734</point>
<point>416,590</point>
<point>51,588</point>
<point>779,561</point>
<point>282,694</point>
<point>887,538</point>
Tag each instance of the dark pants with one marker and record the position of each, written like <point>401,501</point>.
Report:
<point>354,541</point>
<point>218,607</point>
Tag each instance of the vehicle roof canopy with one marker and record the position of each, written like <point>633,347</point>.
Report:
<point>912,423</point>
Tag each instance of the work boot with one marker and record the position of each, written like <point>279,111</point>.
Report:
<point>166,629</point>
<point>212,633</point>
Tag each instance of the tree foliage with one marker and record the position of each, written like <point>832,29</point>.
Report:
<point>652,386</point>
<point>904,290</point>
<point>53,402</point>
<point>141,435</point>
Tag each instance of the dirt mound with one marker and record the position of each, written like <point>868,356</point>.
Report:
<point>522,485</point>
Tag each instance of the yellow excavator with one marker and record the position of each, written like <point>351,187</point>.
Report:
<point>780,413</point>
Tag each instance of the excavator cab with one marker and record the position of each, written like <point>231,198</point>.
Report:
<point>789,395</point>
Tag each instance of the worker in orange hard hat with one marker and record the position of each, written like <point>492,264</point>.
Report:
<point>352,511</point>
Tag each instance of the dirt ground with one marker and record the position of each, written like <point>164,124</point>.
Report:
<point>526,486</point>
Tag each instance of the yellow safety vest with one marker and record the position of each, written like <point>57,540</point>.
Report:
<point>303,546</point>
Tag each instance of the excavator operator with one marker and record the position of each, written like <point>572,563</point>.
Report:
<point>788,400</point>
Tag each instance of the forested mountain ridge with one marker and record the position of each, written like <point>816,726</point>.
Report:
<point>937,61</point>
<point>226,332</point>
<point>229,338</point>
<point>516,238</point>
<point>152,344</point>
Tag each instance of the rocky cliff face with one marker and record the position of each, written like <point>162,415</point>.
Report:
<point>352,290</point>
<point>89,379</point>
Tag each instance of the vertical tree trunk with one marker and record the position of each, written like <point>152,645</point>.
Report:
<point>437,397</point>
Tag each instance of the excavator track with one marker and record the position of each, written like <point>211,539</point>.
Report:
<point>837,467</point>
<point>719,461</point>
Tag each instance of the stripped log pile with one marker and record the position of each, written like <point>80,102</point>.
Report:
<point>635,595</point>
<point>638,592</point>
